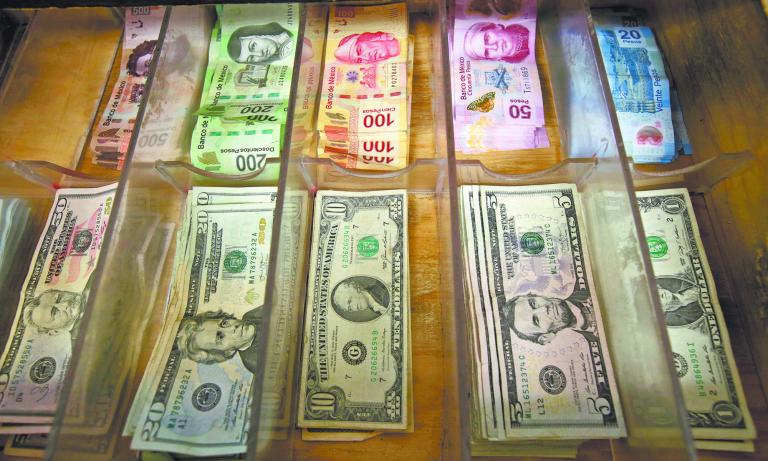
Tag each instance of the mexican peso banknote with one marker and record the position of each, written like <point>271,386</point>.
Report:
<point>497,98</point>
<point>254,60</point>
<point>364,103</point>
<point>110,141</point>
<point>246,92</point>
<point>640,87</point>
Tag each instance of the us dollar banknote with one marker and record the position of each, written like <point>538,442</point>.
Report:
<point>197,197</point>
<point>701,348</point>
<point>14,230</point>
<point>542,368</point>
<point>198,400</point>
<point>39,350</point>
<point>356,360</point>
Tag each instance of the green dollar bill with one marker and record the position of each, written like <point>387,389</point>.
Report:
<point>356,362</point>
<point>542,368</point>
<point>701,348</point>
<point>199,401</point>
<point>39,349</point>
<point>198,196</point>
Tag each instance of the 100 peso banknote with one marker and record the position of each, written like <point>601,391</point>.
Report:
<point>701,348</point>
<point>356,361</point>
<point>39,350</point>
<point>364,100</point>
<point>365,74</point>
<point>541,366</point>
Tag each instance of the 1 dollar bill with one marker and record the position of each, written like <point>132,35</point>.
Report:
<point>701,349</point>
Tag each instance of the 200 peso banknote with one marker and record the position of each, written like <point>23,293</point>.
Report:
<point>356,361</point>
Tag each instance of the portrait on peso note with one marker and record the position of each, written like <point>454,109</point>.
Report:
<point>140,59</point>
<point>497,42</point>
<point>260,44</point>
<point>367,48</point>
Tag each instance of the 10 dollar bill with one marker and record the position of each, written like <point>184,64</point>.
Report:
<point>356,362</point>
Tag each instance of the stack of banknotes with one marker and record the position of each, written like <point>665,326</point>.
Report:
<point>247,87</point>
<point>37,355</point>
<point>542,378</point>
<point>647,107</point>
<point>497,101</point>
<point>701,349</point>
<point>195,397</point>
<point>356,365</point>
<point>110,140</point>
<point>308,82</point>
<point>364,110</point>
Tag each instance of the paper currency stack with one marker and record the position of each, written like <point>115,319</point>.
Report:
<point>701,348</point>
<point>247,87</point>
<point>36,357</point>
<point>110,141</point>
<point>363,120</point>
<point>649,114</point>
<point>542,375</point>
<point>202,368</point>
<point>356,366</point>
<point>497,99</point>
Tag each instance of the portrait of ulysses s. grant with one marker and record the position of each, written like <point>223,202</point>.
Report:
<point>215,337</point>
